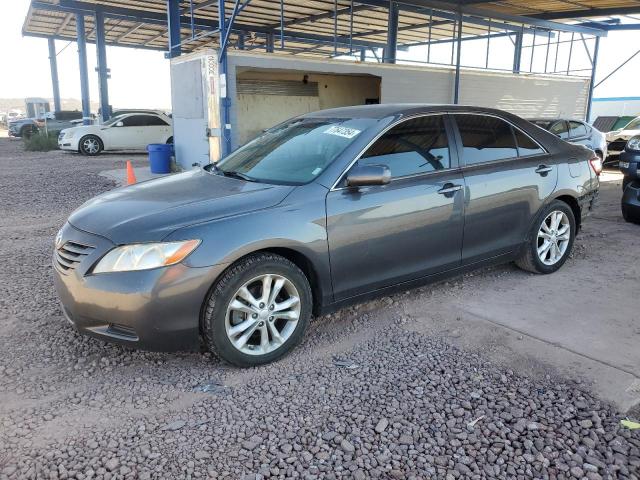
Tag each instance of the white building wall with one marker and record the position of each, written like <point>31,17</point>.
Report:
<point>524,95</point>
<point>615,107</point>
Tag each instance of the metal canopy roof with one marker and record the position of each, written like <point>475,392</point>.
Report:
<point>314,27</point>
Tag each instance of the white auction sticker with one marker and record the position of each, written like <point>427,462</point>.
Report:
<point>345,132</point>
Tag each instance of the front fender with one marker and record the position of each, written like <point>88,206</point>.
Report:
<point>297,224</point>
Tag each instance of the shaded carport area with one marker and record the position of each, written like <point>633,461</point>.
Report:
<point>381,31</point>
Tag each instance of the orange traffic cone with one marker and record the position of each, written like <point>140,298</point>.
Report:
<point>131,176</point>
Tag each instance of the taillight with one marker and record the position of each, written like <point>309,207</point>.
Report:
<point>596,165</point>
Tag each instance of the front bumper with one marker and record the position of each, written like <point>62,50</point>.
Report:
<point>67,143</point>
<point>616,146</point>
<point>631,200</point>
<point>155,309</point>
<point>629,165</point>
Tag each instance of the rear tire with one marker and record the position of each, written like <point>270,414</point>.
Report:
<point>28,131</point>
<point>90,145</point>
<point>238,299</point>
<point>548,245</point>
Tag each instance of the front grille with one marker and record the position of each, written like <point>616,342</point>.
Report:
<point>617,145</point>
<point>71,254</point>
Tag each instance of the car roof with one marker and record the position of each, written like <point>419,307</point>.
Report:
<point>393,109</point>
<point>551,120</point>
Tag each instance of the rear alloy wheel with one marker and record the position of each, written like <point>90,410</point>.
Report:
<point>258,310</point>
<point>90,145</point>
<point>550,241</point>
<point>553,237</point>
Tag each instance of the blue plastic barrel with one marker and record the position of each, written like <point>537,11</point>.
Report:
<point>160,157</point>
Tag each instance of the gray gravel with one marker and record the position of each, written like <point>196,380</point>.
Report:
<point>363,397</point>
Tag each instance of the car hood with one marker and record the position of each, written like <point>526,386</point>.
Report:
<point>82,129</point>
<point>149,211</point>
<point>622,134</point>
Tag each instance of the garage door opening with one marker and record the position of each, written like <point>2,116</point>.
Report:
<point>267,97</point>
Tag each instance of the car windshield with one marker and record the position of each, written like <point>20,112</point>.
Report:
<point>633,124</point>
<point>295,152</point>
<point>113,120</point>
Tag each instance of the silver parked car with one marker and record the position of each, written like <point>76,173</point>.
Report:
<point>578,132</point>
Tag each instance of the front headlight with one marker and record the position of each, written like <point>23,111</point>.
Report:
<point>633,143</point>
<point>144,256</point>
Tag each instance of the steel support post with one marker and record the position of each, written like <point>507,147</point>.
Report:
<point>270,42</point>
<point>517,53</point>
<point>82,66</point>
<point>53,63</point>
<point>456,82</point>
<point>225,103</point>
<point>392,34</point>
<point>173,24</point>
<point>103,71</point>
<point>594,64</point>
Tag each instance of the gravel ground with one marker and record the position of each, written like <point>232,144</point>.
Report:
<point>364,396</point>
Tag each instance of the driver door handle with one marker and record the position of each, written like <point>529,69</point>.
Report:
<point>449,189</point>
<point>543,170</point>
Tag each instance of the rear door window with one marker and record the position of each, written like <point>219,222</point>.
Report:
<point>415,146</point>
<point>152,121</point>
<point>560,129</point>
<point>577,129</point>
<point>526,146</point>
<point>485,138</point>
<point>133,121</point>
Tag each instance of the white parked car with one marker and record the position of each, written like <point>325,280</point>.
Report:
<point>618,138</point>
<point>133,131</point>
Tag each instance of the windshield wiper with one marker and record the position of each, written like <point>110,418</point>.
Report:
<point>241,176</point>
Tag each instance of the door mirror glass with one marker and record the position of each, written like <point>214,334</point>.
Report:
<point>364,175</point>
<point>120,124</point>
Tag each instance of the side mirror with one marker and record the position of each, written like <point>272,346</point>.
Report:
<point>364,175</point>
<point>120,124</point>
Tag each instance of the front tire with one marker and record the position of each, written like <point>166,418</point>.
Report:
<point>257,311</point>
<point>629,217</point>
<point>550,240</point>
<point>90,145</point>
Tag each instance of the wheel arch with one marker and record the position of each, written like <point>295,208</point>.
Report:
<point>573,204</point>
<point>305,264</point>
<point>91,134</point>
<point>299,259</point>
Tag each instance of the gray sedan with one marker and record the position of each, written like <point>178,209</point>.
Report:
<point>324,210</point>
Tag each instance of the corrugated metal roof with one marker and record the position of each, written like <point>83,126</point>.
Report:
<point>308,19</point>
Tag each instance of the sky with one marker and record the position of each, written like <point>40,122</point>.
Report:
<point>140,78</point>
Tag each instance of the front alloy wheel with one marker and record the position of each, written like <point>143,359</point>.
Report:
<point>257,311</point>
<point>90,145</point>
<point>262,314</point>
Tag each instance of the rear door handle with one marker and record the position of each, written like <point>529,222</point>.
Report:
<point>449,189</point>
<point>543,170</point>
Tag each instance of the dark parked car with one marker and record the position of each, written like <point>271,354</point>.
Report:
<point>630,168</point>
<point>578,132</point>
<point>323,210</point>
<point>53,122</point>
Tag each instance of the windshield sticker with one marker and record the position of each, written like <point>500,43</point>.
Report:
<point>345,132</point>
<point>316,171</point>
